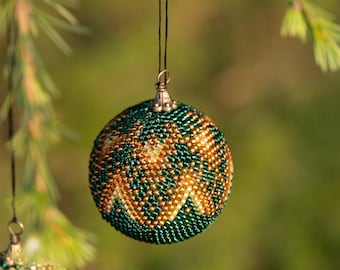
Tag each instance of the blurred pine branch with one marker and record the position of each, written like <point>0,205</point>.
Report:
<point>304,18</point>
<point>52,236</point>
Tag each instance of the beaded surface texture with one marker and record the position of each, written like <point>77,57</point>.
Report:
<point>4,266</point>
<point>160,177</point>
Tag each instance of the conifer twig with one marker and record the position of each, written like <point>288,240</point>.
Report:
<point>53,237</point>
<point>303,19</point>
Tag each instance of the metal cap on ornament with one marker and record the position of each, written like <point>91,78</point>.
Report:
<point>163,101</point>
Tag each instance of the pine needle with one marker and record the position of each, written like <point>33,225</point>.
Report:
<point>303,19</point>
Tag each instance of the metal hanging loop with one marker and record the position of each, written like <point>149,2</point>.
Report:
<point>163,101</point>
<point>15,227</point>
<point>167,77</point>
<point>12,255</point>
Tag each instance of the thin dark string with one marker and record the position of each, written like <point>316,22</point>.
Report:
<point>166,34</point>
<point>159,36</point>
<point>160,33</point>
<point>13,164</point>
<point>11,41</point>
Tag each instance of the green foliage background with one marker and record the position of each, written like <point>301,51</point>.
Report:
<point>279,113</point>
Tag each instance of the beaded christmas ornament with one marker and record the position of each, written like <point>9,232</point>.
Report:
<point>160,171</point>
<point>160,177</point>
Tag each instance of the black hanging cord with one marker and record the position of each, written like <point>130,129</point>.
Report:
<point>11,41</point>
<point>159,35</point>
<point>162,54</point>
<point>13,164</point>
<point>166,34</point>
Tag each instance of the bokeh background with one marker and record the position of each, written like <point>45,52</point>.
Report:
<point>280,115</point>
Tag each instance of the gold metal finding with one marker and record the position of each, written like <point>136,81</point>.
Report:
<point>11,259</point>
<point>11,256</point>
<point>163,101</point>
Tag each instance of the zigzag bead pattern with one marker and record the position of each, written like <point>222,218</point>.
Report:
<point>160,177</point>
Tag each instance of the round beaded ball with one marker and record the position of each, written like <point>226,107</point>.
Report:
<point>160,177</point>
